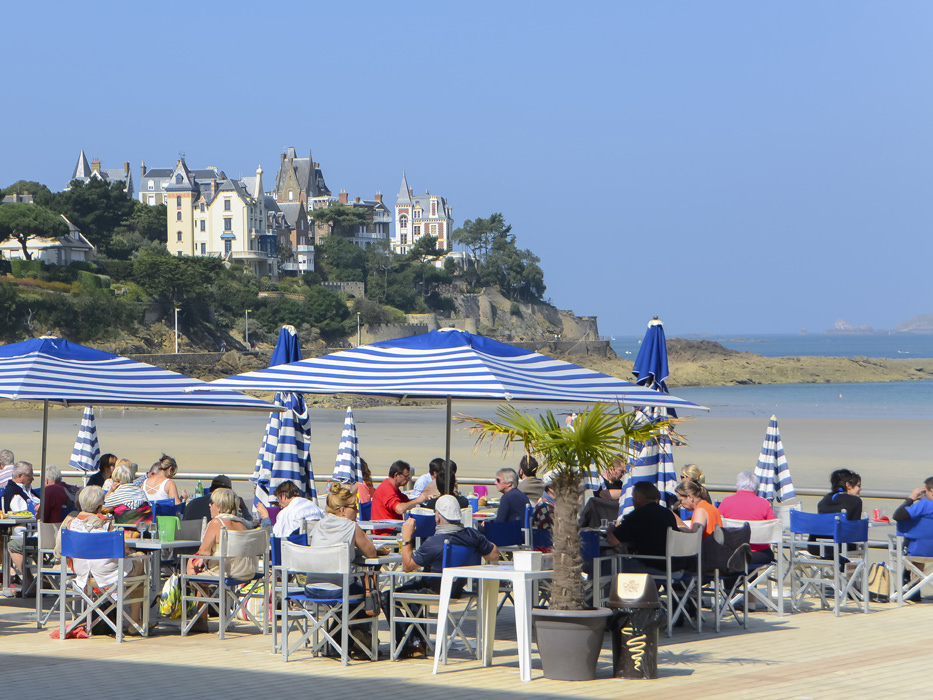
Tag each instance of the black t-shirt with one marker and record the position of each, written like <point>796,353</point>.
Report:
<point>644,530</point>
<point>611,485</point>
<point>839,502</point>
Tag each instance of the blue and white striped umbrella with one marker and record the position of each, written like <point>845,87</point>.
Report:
<point>347,469</point>
<point>449,363</point>
<point>654,460</point>
<point>86,452</point>
<point>285,453</point>
<point>54,370</point>
<point>772,470</point>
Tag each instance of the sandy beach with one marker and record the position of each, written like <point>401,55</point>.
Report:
<point>889,454</point>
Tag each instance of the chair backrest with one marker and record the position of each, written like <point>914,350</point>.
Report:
<point>727,549</point>
<point>168,526</point>
<point>466,517</point>
<point>244,543</point>
<point>851,531</point>
<point>93,545</point>
<point>504,534</point>
<point>366,510</point>
<point>425,525</point>
<point>167,507</point>
<point>589,544</point>
<point>307,527</point>
<point>333,559</point>
<point>529,509</point>
<point>684,544</point>
<point>47,534</point>
<point>820,524</point>
<point>276,545</point>
<point>191,529</point>
<point>783,511</point>
<point>542,539</point>
<point>916,528</point>
<point>459,555</point>
<point>762,531</point>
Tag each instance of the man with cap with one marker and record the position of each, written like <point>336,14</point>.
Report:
<point>199,507</point>
<point>430,555</point>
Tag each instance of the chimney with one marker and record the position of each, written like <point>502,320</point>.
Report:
<point>213,187</point>
<point>379,196</point>
<point>126,170</point>
<point>142,171</point>
<point>95,166</point>
<point>411,192</point>
<point>342,197</point>
<point>356,200</point>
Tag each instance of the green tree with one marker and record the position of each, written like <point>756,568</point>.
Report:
<point>515,272</point>
<point>148,221</point>
<point>340,260</point>
<point>42,195</point>
<point>24,221</point>
<point>342,219</point>
<point>96,208</point>
<point>477,235</point>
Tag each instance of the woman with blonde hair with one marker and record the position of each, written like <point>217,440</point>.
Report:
<point>693,473</point>
<point>339,523</point>
<point>223,509</point>
<point>159,485</point>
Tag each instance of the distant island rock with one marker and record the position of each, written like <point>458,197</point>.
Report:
<point>845,328</point>
<point>916,324</point>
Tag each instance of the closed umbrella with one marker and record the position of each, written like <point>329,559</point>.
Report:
<point>86,453</point>
<point>654,460</point>
<point>347,469</point>
<point>285,453</point>
<point>772,470</point>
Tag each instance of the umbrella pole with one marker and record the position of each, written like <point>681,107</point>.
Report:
<point>447,450</point>
<point>45,432</point>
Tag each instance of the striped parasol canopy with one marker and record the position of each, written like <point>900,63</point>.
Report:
<point>772,470</point>
<point>653,460</point>
<point>449,363</point>
<point>86,453</point>
<point>285,452</point>
<point>347,469</point>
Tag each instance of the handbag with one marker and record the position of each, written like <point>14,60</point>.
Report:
<point>879,582</point>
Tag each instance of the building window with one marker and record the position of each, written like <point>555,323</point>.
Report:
<point>415,232</point>
<point>403,222</point>
<point>433,208</point>
<point>180,254</point>
<point>291,195</point>
<point>203,225</point>
<point>404,239</point>
<point>178,236</point>
<point>178,216</point>
<point>433,229</point>
<point>202,207</point>
<point>416,214</point>
<point>228,223</point>
<point>228,247</point>
<point>152,184</point>
<point>151,199</point>
<point>178,200</point>
<point>204,249</point>
<point>178,181</point>
<point>226,205</point>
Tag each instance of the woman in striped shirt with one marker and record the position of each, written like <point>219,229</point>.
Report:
<point>124,492</point>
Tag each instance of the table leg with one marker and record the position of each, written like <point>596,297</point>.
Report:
<point>447,582</point>
<point>5,539</point>
<point>521,589</point>
<point>489,594</point>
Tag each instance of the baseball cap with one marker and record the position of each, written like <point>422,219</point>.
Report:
<point>449,508</point>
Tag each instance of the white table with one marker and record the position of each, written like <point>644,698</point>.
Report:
<point>394,525</point>
<point>490,576</point>
<point>155,549</point>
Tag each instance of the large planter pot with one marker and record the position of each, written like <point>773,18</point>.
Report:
<point>569,642</point>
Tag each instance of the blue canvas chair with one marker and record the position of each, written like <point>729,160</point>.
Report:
<point>912,549</point>
<point>96,602</point>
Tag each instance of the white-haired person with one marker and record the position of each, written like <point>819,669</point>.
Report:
<point>91,518</point>
<point>18,498</point>
<point>124,491</point>
<point>7,459</point>
<point>745,504</point>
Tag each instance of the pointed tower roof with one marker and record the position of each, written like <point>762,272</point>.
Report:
<point>404,192</point>
<point>82,170</point>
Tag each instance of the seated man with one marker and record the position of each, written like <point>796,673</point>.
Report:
<point>17,498</point>
<point>917,506</point>
<point>429,556</point>
<point>295,509</point>
<point>427,483</point>
<point>389,503</point>
<point>512,502</point>
<point>56,496</point>
<point>744,504</point>
<point>644,530</point>
<point>443,481</point>
<point>198,508</point>
<point>529,483</point>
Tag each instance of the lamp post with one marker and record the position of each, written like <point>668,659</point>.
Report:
<point>247,328</point>
<point>359,332</point>
<point>176,330</point>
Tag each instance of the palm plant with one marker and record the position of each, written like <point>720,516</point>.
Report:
<point>570,452</point>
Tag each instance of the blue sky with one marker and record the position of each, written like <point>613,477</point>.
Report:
<point>733,167</point>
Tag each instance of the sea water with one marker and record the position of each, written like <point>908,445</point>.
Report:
<point>870,400</point>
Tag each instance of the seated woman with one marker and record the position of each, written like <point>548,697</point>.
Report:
<point>746,505</point>
<point>339,524</point>
<point>159,485</point>
<point>224,516</point>
<point>705,514</point>
<point>124,495</point>
<point>365,488</point>
<point>91,518</point>
<point>844,497</point>
<point>693,472</point>
<point>105,466</point>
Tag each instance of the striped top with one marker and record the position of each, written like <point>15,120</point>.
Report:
<point>129,495</point>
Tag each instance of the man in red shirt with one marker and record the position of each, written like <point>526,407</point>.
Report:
<point>389,503</point>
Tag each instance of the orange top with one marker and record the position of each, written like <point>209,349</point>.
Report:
<point>712,517</point>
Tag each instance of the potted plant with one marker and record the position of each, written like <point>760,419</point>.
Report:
<point>569,452</point>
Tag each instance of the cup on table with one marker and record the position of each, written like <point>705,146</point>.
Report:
<point>474,503</point>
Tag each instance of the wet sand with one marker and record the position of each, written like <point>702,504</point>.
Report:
<point>890,455</point>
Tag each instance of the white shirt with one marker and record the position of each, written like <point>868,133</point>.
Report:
<point>290,517</point>
<point>421,483</point>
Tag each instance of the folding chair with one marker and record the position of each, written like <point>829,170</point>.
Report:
<point>508,533</point>
<point>766,581</point>
<point>167,506</point>
<point>829,570</point>
<point>679,545</point>
<point>913,553</point>
<point>726,553</point>
<point>324,613</point>
<point>48,572</point>
<point>412,609</point>
<point>366,510</point>
<point>97,600</point>
<point>228,596</point>
<point>425,525</point>
<point>275,558</point>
